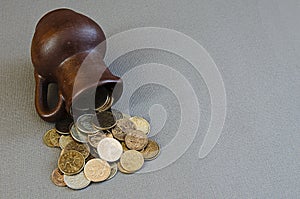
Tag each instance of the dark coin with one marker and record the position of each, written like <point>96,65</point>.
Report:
<point>63,126</point>
<point>104,120</point>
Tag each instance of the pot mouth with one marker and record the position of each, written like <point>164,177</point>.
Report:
<point>96,98</point>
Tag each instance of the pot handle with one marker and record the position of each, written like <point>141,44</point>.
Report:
<point>41,103</point>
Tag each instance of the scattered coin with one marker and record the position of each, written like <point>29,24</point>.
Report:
<point>104,120</point>
<point>109,149</point>
<point>62,126</point>
<point>64,140</point>
<point>136,140</point>
<point>151,150</point>
<point>97,170</point>
<point>71,162</point>
<point>78,181</point>
<point>132,160</point>
<point>95,144</point>
<point>94,139</point>
<point>141,124</point>
<point>46,138</point>
<point>84,149</point>
<point>122,170</point>
<point>85,125</point>
<point>77,135</point>
<point>57,178</point>
<point>113,170</point>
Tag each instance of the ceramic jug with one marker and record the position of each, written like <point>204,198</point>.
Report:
<point>63,43</point>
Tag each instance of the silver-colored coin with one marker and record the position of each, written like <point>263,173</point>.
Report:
<point>113,171</point>
<point>77,135</point>
<point>78,181</point>
<point>109,149</point>
<point>85,125</point>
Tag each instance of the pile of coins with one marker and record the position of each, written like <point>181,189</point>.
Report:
<point>97,146</point>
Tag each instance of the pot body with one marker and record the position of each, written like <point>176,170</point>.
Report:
<point>68,49</point>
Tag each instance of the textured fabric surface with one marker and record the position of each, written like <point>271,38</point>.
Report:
<point>255,45</point>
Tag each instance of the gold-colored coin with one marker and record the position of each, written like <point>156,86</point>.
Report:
<point>64,140</point>
<point>132,160</point>
<point>97,170</point>
<point>71,162</point>
<point>141,124</point>
<point>136,140</point>
<point>94,139</point>
<point>151,150</point>
<point>122,170</point>
<point>57,178</point>
<point>84,149</point>
<point>51,138</point>
<point>46,139</point>
<point>54,138</point>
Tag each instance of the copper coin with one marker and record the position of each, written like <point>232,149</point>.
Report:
<point>151,150</point>
<point>71,162</point>
<point>104,120</point>
<point>136,140</point>
<point>132,160</point>
<point>97,170</point>
<point>57,178</point>
<point>63,125</point>
<point>84,149</point>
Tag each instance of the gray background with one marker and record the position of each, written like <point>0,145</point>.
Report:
<point>254,44</point>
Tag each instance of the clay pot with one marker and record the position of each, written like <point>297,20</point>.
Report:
<point>65,50</point>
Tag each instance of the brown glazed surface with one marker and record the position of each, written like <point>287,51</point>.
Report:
<point>62,41</point>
